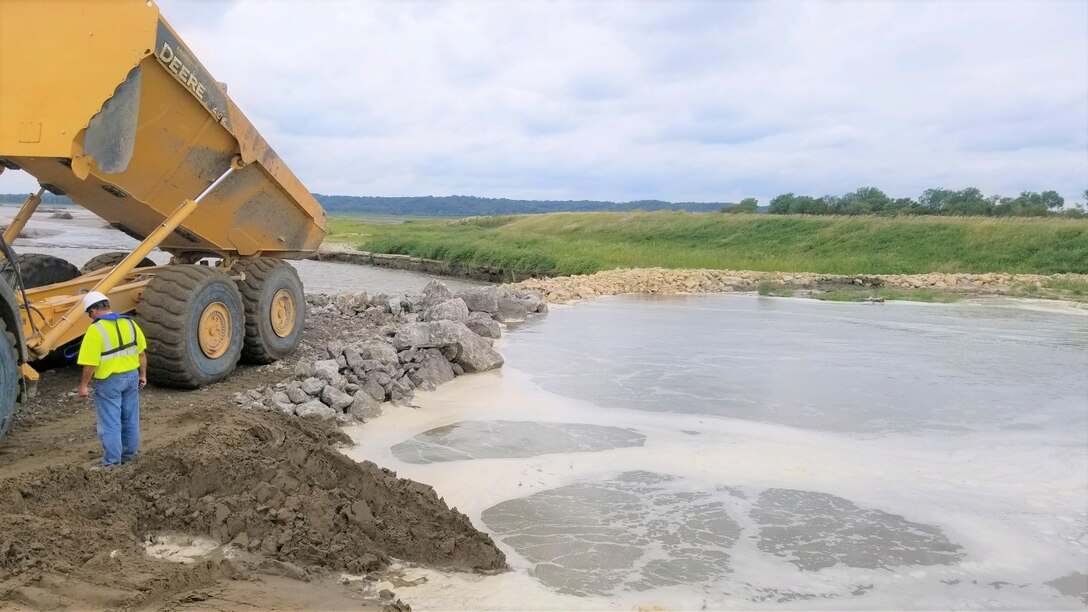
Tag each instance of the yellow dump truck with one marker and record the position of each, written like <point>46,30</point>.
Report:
<point>104,103</point>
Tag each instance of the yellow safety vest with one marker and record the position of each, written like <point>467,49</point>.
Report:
<point>112,353</point>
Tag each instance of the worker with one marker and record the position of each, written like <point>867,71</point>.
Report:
<point>112,353</point>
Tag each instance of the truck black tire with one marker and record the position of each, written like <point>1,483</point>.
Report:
<point>108,260</point>
<point>275,309</point>
<point>9,377</point>
<point>38,270</point>
<point>194,322</point>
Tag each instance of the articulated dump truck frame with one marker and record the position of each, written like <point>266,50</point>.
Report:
<point>101,101</point>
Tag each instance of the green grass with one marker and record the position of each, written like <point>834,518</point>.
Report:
<point>860,294</point>
<point>919,295</point>
<point>841,295</point>
<point>1072,287</point>
<point>773,290</point>
<point>578,243</point>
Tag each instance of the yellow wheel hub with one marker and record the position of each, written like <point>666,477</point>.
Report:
<point>283,313</point>
<point>214,333</point>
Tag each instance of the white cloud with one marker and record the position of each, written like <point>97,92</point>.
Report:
<point>678,101</point>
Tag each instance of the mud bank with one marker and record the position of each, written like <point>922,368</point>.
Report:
<point>268,485</point>
<point>669,281</point>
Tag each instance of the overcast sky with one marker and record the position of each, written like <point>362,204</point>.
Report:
<point>708,101</point>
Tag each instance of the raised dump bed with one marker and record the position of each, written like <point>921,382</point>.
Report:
<point>103,102</point>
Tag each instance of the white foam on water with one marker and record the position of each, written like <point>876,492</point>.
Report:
<point>1014,501</point>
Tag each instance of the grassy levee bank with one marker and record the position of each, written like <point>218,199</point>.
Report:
<point>583,243</point>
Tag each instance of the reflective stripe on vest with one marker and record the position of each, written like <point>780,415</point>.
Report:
<point>125,349</point>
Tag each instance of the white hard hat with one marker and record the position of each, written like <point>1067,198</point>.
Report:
<point>93,298</point>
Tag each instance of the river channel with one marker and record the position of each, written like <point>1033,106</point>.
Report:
<point>737,451</point>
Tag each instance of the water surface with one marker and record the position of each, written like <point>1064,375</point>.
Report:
<point>796,454</point>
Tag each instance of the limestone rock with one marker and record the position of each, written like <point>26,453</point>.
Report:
<point>378,351</point>
<point>482,324</point>
<point>335,398</point>
<point>304,369</point>
<point>481,299</point>
<point>433,371</point>
<point>532,301</point>
<point>327,370</point>
<point>470,351</point>
<point>373,388</point>
<point>511,309</point>
<point>335,348</point>
<point>315,409</point>
<point>352,358</point>
<point>450,310</point>
<point>298,396</point>
<point>435,293</point>
<point>364,406</point>
<point>312,386</point>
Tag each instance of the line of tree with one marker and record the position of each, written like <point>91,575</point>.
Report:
<point>454,206</point>
<point>471,206</point>
<point>948,202</point>
<point>47,198</point>
<point>863,201</point>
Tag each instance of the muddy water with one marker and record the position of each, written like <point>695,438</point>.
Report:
<point>733,451</point>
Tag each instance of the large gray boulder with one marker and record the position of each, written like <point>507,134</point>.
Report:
<point>396,304</point>
<point>297,395</point>
<point>401,388</point>
<point>364,406</point>
<point>304,369</point>
<point>327,370</point>
<point>481,299</point>
<point>467,349</point>
<point>450,310</point>
<point>511,309</point>
<point>335,398</point>
<point>378,351</point>
<point>373,388</point>
<point>353,359</point>
<point>482,324</point>
<point>312,386</point>
<point>435,293</point>
<point>352,302</point>
<point>315,409</point>
<point>533,301</point>
<point>433,370</point>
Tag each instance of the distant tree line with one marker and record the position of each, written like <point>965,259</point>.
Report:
<point>47,198</point>
<point>471,206</point>
<point>864,201</point>
<point>946,202</point>
<point>454,206</point>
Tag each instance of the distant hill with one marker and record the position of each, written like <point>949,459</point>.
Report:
<point>47,198</point>
<point>472,206</point>
<point>452,206</point>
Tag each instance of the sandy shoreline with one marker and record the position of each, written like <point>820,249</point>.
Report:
<point>662,281</point>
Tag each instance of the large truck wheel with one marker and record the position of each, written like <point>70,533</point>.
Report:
<point>275,309</point>
<point>38,270</point>
<point>194,322</point>
<point>9,378</point>
<point>108,260</point>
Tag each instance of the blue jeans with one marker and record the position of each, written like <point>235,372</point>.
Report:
<point>117,400</point>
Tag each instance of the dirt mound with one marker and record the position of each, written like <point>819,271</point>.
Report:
<point>271,485</point>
